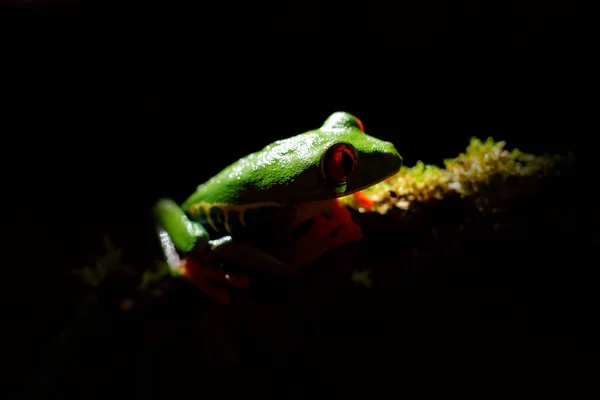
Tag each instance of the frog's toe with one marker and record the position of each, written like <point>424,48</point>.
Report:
<point>202,278</point>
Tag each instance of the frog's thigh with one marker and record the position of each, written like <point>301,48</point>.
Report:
<point>249,257</point>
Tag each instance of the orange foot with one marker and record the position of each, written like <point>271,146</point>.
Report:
<point>202,276</point>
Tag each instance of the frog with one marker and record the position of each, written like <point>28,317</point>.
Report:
<point>276,210</point>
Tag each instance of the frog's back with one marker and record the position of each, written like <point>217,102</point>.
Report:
<point>256,191</point>
<point>266,176</point>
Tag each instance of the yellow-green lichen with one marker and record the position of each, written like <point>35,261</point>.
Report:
<point>469,174</point>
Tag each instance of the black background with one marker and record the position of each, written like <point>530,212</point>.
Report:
<point>109,105</point>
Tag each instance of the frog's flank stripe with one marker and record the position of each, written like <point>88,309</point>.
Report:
<point>201,214</point>
<point>232,221</point>
<point>226,218</point>
<point>216,217</point>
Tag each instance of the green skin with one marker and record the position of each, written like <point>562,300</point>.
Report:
<point>286,174</point>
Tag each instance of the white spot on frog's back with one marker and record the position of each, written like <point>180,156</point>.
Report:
<point>280,154</point>
<point>282,151</point>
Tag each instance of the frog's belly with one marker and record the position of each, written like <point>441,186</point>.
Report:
<point>320,233</point>
<point>298,233</point>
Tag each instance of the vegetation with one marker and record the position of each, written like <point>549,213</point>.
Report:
<point>453,260</point>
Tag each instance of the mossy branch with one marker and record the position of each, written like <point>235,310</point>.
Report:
<point>484,164</point>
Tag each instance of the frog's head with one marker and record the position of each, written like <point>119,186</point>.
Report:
<point>335,160</point>
<point>353,160</point>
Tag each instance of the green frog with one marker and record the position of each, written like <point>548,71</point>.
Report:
<point>275,210</point>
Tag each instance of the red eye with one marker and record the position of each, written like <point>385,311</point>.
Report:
<point>340,162</point>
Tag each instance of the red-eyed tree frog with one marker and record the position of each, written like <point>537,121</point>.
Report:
<point>276,209</point>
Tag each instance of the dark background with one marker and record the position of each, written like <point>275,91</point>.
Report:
<point>109,105</point>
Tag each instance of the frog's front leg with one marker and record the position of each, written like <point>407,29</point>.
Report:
<point>178,234</point>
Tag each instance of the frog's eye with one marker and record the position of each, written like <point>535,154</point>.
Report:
<point>342,120</point>
<point>340,162</point>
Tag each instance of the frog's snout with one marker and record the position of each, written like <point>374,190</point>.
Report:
<point>391,155</point>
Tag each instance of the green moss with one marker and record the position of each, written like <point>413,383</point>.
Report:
<point>111,261</point>
<point>484,163</point>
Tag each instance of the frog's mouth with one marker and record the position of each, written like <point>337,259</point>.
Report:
<point>373,183</point>
<point>318,192</point>
<point>373,169</point>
